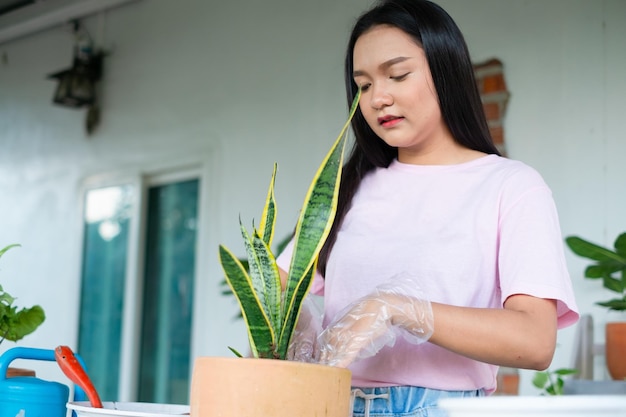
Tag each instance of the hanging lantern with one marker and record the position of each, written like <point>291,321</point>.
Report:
<point>77,85</point>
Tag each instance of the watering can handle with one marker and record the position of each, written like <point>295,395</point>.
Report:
<point>38,354</point>
<point>23,353</point>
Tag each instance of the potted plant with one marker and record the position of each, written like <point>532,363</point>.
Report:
<point>227,291</point>
<point>609,267</point>
<point>14,323</point>
<point>262,385</point>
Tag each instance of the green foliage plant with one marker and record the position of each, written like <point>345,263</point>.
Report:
<point>552,382</point>
<point>279,247</point>
<point>608,266</point>
<point>269,313</point>
<point>14,323</point>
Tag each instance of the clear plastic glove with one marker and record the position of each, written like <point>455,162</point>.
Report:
<point>394,308</point>
<point>303,345</point>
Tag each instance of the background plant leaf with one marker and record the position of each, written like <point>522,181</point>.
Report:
<point>610,266</point>
<point>14,323</point>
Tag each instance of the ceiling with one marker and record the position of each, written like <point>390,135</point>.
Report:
<point>20,18</point>
<point>7,6</point>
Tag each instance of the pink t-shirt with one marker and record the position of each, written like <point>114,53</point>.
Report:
<point>475,233</point>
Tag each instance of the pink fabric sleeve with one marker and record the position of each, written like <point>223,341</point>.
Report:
<point>283,260</point>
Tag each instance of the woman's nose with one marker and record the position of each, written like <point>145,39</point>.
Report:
<point>380,98</point>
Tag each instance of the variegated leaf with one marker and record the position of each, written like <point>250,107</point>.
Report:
<point>268,218</point>
<point>271,279</point>
<point>262,338</point>
<point>318,211</point>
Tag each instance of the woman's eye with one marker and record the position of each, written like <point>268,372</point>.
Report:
<point>364,87</point>
<point>399,77</point>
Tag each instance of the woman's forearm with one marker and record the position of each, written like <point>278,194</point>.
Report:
<point>522,335</point>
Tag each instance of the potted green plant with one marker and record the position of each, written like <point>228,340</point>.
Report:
<point>226,289</point>
<point>249,386</point>
<point>14,323</point>
<point>609,267</point>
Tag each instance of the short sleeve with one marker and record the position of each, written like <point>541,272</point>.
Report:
<point>531,255</point>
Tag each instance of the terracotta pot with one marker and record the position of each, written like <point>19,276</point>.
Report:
<point>616,349</point>
<point>248,387</point>
<point>12,372</point>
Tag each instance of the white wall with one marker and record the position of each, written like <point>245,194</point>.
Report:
<point>246,84</point>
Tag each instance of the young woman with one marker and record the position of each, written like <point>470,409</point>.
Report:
<point>445,259</point>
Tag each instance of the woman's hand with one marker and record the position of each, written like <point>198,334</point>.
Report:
<point>366,326</point>
<point>303,345</point>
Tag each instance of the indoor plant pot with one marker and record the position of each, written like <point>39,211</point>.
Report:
<point>615,349</point>
<point>266,387</point>
<point>610,267</point>
<point>262,385</point>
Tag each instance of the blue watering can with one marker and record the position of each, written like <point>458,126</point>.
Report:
<point>27,396</point>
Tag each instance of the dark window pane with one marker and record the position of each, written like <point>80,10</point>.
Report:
<point>168,293</point>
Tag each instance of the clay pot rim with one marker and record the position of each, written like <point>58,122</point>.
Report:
<point>272,362</point>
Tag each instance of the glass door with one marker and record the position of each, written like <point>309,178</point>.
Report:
<point>105,255</point>
<point>165,349</point>
<point>138,273</point>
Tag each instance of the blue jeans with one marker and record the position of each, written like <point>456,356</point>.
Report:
<point>402,401</point>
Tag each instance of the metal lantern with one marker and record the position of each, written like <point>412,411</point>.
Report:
<point>77,85</point>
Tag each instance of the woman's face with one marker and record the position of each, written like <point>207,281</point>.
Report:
<point>399,101</point>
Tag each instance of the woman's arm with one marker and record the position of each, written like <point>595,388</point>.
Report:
<point>522,335</point>
<point>283,278</point>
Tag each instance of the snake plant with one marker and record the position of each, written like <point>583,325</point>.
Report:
<point>269,313</point>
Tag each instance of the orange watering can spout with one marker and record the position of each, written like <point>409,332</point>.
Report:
<point>76,373</point>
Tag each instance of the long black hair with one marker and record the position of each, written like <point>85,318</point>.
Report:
<point>448,58</point>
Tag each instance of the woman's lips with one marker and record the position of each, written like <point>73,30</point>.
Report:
<point>389,121</point>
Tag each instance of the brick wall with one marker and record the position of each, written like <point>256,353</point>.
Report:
<point>495,96</point>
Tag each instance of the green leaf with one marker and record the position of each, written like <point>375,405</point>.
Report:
<point>318,212</point>
<point>14,324</point>
<point>5,297</point>
<point>602,269</point>
<point>552,382</point>
<point>540,379</point>
<point>558,387</point>
<point>293,311</point>
<point>262,339</point>
<point>239,355</point>
<point>612,284</point>
<point>590,250</point>
<point>6,248</point>
<point>17,324</point>
<point>610,266</point>
<point>271,278</point>
<point>255,270</point>
<point>566,371</point>
<point>620,245</point>
<point>616,304</point>
<point>258,291</point>
<point>268,218</point>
